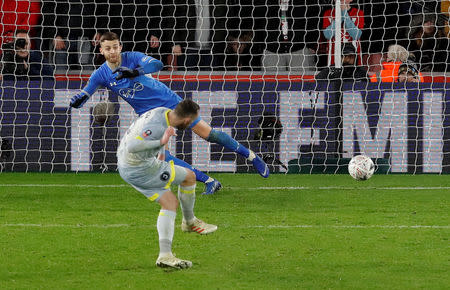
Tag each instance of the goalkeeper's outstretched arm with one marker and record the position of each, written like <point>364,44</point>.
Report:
<point>93,85</point>
<point>150,64</point>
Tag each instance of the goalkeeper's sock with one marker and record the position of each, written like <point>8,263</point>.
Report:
<point>199,176</point>
<point>251,156</point>
<point>165,226</point>
<point>226,141</point>
<point>186,195</point>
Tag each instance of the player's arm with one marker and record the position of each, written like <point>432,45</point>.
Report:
<point>162,153</point>
<point>146,141</point>
<point>328,25</point>
<point>145,65</point>
<point>92,86</point>
<point>351,27</point>
<point>149,64</point>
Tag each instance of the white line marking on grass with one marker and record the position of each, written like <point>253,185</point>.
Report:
<point>23,225</point>
<point>354,226</point>
<point>246,188</point>
<point>20,225</point>
<point>350,188</point>
<point>65,185</point>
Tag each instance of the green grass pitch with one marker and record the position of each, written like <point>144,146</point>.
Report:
<point>93,231</point>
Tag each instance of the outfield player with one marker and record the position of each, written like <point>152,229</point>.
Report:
<point>125,74</point>
<point>141,163</point>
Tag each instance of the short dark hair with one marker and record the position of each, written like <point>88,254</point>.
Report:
<point>187,108</point>
<point>21,31</point>
<point>109,36</point>
<point>348,49</point>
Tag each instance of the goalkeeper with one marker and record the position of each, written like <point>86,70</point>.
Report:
<point>125,74</point>
<point>141,163</point>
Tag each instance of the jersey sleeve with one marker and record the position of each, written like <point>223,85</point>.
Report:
<point>148,63</point>
<point>93,84</point>
<point>352,28</point>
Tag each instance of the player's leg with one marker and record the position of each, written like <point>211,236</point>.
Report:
<point>166,226</point>
<point>166,222</point>
<point>202,129</point>
<point>186,194</point>
<point>211,184</point>
<point>156,188</point>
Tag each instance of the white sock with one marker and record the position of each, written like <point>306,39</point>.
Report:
<point>186,194</point>
<point>251,156</point>
<point>165,226</point>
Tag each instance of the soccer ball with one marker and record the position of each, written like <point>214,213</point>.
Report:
<point>361,167</point>
<point>102,112</point>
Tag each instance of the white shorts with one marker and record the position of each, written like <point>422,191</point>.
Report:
<point>153,184</point>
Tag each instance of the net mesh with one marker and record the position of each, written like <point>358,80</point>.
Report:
<point>302,86</point>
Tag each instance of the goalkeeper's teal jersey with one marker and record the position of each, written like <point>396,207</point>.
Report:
<point>143,93</point>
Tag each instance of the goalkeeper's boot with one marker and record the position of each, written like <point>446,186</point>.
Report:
<point>261,166</point>
<point>198,226</point>
<point>170,261</point>
<point>212,187</point>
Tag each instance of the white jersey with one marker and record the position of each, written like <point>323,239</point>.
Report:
<point>149,127</point>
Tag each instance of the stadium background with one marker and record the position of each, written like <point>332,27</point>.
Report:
<point>61,227</point>
<point>43,134</point>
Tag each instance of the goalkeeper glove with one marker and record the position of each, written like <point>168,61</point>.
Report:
<point>124,72</point>
<point>78,100</point>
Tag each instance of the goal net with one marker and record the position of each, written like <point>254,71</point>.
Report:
<point>305,84</point>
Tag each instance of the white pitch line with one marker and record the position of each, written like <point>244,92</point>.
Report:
<point>23,225</point>
<point>65,185</point>
<point>351,188</point>
<point>355,226</point>
<point>246,188</point>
